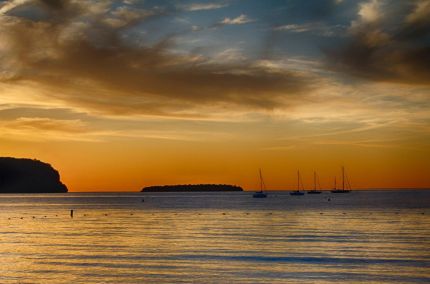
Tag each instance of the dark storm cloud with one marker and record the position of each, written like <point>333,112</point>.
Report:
<point>389,41</point>
<point>81,50</point>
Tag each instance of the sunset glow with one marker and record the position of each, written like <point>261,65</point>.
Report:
<point>118,95</point>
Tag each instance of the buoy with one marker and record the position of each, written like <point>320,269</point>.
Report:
<point>71,213</point>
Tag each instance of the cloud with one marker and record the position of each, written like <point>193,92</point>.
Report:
<point>229,55</point>
<point>320,29</point>
<point>420,13</point>
<point>75,54</point>
<point>203,6</point>
<point>47,129</point>
<point>124,16</point>
<point>294,28</point>
<point>47,124</point>
<point>370,11</point>
<point>392,46</point>
<point>240,20</point>
<point>10,5</point>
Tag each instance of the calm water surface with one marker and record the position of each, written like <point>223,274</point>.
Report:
<point>363,236</point>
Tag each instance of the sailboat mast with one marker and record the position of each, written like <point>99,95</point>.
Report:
<point>315,181</point>
<point>261,181</point>
<point>335,182</point>
<point>343,178</point>
<point>298,181</point>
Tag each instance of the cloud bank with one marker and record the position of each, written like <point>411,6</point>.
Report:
<point>389,41</point>
<point>85,52</point>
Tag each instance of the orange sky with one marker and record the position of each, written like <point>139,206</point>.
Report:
<point>130,165</point>
<point>122,95</point>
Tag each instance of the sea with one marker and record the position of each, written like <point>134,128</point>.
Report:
<point>372,236</point>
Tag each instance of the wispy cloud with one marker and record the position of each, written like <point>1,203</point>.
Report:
<point>47,129</point>
<point>240,20</point>
<point>47,124</point>
<point>320,29</point>
<point>203,6</point>
<point>9,5</point>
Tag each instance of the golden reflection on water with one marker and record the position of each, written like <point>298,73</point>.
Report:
<point>137,245</point>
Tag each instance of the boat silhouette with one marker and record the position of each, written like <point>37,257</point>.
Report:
<point>299,182</point>
<point>315,191</point>
<point>343,189</point>
<point>261,193</point>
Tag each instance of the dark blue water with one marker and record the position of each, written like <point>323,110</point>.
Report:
<point>362,236</point>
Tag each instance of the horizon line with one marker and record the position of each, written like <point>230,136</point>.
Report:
<point>251,190</point>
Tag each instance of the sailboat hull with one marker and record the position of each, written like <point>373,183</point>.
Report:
<point>297,193</point>
<point>259,195</point>
<point>340,191</point>
<point>314,192</point>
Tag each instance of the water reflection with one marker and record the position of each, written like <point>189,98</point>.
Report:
<point>118,239</point>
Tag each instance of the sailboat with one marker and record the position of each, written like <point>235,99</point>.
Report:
<point>298,192</point>
<point>315,191</point>
<point>341,190</point>
<point>261,193</point>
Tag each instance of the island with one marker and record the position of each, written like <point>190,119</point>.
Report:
<point>192,188</point>
<point>28,176</point>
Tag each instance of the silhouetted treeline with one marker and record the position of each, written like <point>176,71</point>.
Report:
<point>28,176</point>
<point>192,187</point>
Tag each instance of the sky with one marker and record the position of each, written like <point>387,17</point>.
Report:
<point>118,95</point>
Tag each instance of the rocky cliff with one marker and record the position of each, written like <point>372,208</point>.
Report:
<point>28,176</point>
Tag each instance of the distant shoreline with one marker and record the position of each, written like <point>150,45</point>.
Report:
<point>193,188</point>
